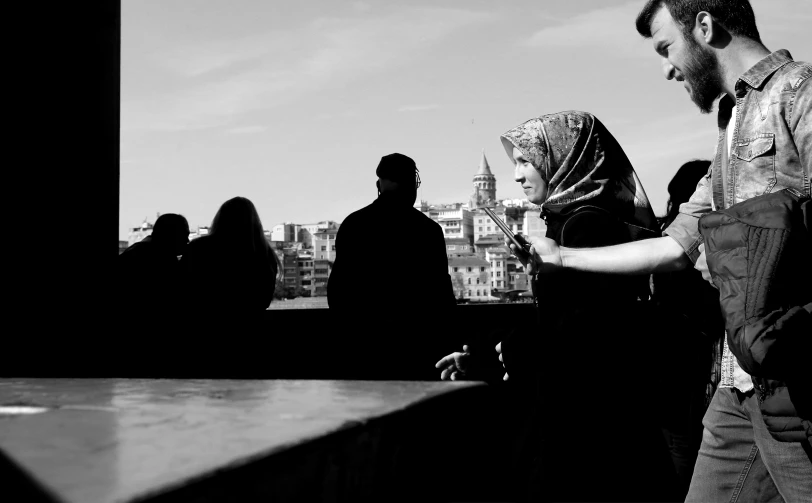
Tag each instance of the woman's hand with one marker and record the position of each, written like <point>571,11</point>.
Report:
<point>544,253</point>
<point>455,365</point>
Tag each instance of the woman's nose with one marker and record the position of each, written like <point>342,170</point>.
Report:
<point>517,175</point>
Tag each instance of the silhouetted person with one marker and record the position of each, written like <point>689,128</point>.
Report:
<point>687,309</point>
<point>389,286</point>
<point>150,270</point>
<point>233,269</point>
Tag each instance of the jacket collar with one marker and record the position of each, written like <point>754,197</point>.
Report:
<point>761,71</point>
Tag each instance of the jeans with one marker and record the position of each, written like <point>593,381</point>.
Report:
<point>740,462</point>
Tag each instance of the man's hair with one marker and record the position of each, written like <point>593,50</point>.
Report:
<point>397,168</point>
<point>169,226</point>
<point>736,16</point>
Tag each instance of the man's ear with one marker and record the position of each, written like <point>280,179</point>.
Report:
<point>708,29</point>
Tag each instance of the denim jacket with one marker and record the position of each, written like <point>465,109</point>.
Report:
<point>771,148</point>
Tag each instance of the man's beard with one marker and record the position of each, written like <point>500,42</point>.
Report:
<point>702,75</point>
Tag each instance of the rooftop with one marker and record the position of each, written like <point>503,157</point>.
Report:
<point>457,241</point>
<point>490,238</point>
<point>484,168</point>
<point>467,261</point>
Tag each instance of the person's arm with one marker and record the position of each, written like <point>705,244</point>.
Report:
<point>678,249</point>
<point>801,125</point>
<point>640,257</point>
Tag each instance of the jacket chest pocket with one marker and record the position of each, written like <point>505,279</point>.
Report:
<point>755,165</point>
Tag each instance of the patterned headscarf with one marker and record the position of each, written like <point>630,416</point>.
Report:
<point>579,159</point>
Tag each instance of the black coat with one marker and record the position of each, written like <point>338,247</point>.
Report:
<point>758,254</point>
<point>391,291</point>
<point>154,286</point>
<point>585,380</point>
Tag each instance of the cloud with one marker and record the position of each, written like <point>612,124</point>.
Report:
<point>222,80</point>
<point>247,130</point>
<point>611,28</point>
<point>361,6</point>
<point>417,108</point>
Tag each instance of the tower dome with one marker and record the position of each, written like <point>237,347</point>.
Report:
<point>484,185</point>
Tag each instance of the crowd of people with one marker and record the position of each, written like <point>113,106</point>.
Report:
<point>682,340</point>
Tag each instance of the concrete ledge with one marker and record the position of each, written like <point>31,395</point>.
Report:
<point>166,440</point>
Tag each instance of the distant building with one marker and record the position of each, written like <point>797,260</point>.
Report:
<point>290,269</point>
<point>484,186</point>
<point>324,245</point>
<point>307,232</point>
<point>455,247</point>
<point>498,258</point>
<point>455,220</point>
<point>534,226</point>
<point>285,232</point>
<point>136,234</point>
<point>484,226</point>
<point>307,272</point>
<point>485,243</point>
<point>321,273</point>
<point>201,231</point>
<point>470,278</point>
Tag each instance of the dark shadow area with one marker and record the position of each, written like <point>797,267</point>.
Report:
<point>20,484</point>
<point>303,344</point>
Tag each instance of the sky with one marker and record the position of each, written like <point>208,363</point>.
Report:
<point>292,104</point>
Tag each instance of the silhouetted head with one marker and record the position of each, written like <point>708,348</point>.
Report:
<point>237,223</point>
<point>398,178</point>
<point>171,231</point>
<point>683,185</point>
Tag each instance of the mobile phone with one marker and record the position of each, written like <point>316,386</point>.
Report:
<point>516,239</point>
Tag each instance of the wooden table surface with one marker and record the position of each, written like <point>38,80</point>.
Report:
<point>103,440</point>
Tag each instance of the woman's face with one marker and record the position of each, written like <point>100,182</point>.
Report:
<point>534,186</point>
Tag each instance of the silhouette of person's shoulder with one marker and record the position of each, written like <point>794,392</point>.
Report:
<point>143,253</point>
<point>136,249</point>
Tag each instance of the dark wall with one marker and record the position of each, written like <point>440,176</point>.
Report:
<point>61,194</point>
<point>276,344</point>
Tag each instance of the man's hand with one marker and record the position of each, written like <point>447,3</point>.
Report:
<point>544,252</point>
<point>702,265</point>
<point>499,350</point>
<point>454,365</point>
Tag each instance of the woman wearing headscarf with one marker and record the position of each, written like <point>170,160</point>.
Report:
<point>579,380</point>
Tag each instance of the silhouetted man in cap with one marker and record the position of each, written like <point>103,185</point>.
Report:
<point>391,300</point>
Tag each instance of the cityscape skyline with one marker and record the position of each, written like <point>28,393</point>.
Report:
<point>292,105</point>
